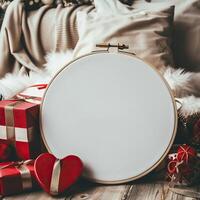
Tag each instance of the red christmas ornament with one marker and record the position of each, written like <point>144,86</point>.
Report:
<point>186,153</point>
<point>56,175</point>
<point>5,152</point>
<point>184,166</point>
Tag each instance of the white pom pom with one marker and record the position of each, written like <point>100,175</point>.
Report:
<point>179,81</point>
<point>12,84</point>
<point>57,60</point>
<point>190,106</point>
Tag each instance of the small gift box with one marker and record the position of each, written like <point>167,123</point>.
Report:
<point>19,126</point>
<point>184,166</point>
<point>16,177</point>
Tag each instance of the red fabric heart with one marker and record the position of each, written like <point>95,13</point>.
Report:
<point>70,169</point>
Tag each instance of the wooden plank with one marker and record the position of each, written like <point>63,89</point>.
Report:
<point>156,191</point>
<point>92,193</point>
<point>134,191</point>
<point>101,193</point>
<point>144,191</point>
<point>171,195</point>
<point>40,195</point>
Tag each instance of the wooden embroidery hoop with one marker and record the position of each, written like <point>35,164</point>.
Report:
<point>90,173</point>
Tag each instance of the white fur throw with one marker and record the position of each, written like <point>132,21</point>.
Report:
<point>179,81</point>
<point>190,105</point>
<point>12,84</point>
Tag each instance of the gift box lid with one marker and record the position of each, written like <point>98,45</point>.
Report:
<point>24,114</point>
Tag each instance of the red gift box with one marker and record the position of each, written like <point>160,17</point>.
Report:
<point>19,126</point>
<point>183,167</point>
<point>16,177</point>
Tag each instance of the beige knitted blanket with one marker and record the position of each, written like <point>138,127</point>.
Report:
<point>27,36</point>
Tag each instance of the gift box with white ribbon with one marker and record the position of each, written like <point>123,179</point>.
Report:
<point>16,177</point>
<point>19,126</point>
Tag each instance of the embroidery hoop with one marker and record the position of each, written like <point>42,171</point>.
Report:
<point>47,118</point>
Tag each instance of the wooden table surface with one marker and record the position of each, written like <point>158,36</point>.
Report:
<point>142,190</point>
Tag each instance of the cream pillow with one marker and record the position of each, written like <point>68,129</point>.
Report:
<point>148,33</point>
<point>186,34</point>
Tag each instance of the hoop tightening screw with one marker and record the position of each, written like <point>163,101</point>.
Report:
<point>119,46</point>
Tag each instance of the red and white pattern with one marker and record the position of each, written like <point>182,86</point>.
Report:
<point>19,126</point>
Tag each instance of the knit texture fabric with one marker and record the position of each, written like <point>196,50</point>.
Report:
<point>27,36</point>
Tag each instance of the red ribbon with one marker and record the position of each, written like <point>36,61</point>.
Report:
<point>30,99</point>
<point>40,86</point>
